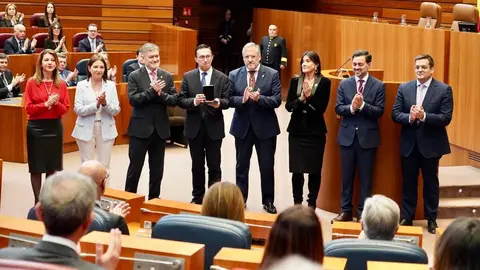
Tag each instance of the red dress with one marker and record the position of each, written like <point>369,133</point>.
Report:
<point>44,128</point>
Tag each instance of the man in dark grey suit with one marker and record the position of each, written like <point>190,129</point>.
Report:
<point>9,85</point>
<point>360,101</point>
<point>136,65</point>
<point>77,193</point>
<point>18,43</point>
<point>424,107</point>
<point>204,125</point>
<point>255,92</point>
<point>150,91</point>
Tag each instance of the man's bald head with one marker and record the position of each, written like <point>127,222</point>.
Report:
<point>19,31</point>
<point>95,170</point>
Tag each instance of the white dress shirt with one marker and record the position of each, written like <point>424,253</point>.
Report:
<point>94,43</point>
<point>5,82</point>
<point>357,84</point>
<point>208,77</point>
<point>61,241</point>
<point>421,93</point>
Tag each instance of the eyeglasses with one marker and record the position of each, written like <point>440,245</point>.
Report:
<point>203,57</point>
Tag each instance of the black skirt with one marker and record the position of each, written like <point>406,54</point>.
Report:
<point>306,153</point>
<point>45,145</point>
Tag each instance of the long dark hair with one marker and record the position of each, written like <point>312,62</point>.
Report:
<point>54,14</point>
<point>459,246</point>
<point>315,59</point>
<point>94,59</point>
<point>50,31</point>
<point>297,230</point>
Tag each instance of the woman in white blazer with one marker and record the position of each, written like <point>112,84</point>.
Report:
<point>96,103</point>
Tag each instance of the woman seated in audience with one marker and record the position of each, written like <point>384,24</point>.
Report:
<point>56,39</point>
<point>297,230</point>
<point>224,200</point>
<point>11,16</point>
<point>49,17</point>
<point>380,218</point>
<point>459,246</point>
<point>112,71</point>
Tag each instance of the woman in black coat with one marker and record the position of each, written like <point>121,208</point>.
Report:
<point>307,100</point>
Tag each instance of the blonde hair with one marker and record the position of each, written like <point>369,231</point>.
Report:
<point>16,16</point>
<point>224,200</point>
<point>104,56</point>
<point>38,76</point>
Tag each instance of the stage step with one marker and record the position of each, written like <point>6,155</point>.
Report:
<point>459,207</point>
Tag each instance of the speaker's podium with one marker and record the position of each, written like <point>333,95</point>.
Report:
<point>260,223</point>
<point>112,197</point>
<point>409,234</point>
<point>251,258</point>
<point>18,232</point>
<point>147,253</point>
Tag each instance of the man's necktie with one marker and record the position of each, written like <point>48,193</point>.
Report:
<point>360,86</point>
<point>204,82</point>
<point>153,74</point>
<point>251,80</point>
<point>21,42</point>
<point>420,95</point>
<point>92,45</point>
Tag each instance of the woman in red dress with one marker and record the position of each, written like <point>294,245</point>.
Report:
<point>46,100</point>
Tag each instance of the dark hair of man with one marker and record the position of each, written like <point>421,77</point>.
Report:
<point>426,56</point>
<point>365,53</point>
<point>202,46</point>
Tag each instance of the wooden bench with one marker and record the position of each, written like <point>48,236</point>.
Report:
<point>19,232</point>
<point>395,266</point>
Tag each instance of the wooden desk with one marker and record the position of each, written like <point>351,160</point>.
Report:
<point>13,119</point>
<point>260,223</point>
<point>251,258</point>
<point>395,266</point>
<point>347,229</point>
<point>135,201</point>
<point>193,254</point>
<point>1,178</point>
<point>19,226</point>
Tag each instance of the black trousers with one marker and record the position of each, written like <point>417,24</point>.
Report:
<point>351,157</point>
<point>411,165</point>
<point>226,57</point>
<point>298,180</point>
<point>266,159</point>
<point>137,149</point>
<point>276,67</point>
<point>202,147</point>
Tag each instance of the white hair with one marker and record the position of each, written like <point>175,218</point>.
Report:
<point>248,45</point>
<point>380,217</point>
<point>148,47</point>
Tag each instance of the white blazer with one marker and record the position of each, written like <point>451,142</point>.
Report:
<point>86,108</point>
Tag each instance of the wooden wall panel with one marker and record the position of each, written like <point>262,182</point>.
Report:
<point>137,13</point>
<point>144,3</point>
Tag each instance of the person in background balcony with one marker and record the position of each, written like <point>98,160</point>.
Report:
<point>55,40</point>
<point>49,17</point>
<point>12,17</point>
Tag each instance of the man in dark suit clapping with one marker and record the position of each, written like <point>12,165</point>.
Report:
<point>136,65</point>
<point>150,91</point>
<point>255,92</point>
<point>19,44</point>
<point>9,85</point>
<point>204,125</point>
<point>360,101</point>
<point>92,43</point>
<point>424,107</point>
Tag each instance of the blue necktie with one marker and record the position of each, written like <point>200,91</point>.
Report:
<point>203,78</point>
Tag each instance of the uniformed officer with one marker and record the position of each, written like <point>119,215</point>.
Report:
<point>225,42</point>
<point>274,50</point>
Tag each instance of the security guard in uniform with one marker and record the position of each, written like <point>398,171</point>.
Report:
<point>274,50</point>
<point>225,42</point>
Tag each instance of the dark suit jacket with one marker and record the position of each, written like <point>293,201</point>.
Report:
<point>11,47</point>
<point>84,45</point>
<point>191,86</point>
<point>132,67</point>
<point>112,221</point>
<point>47,252</point>
<point>431,135</point>
<point>48,44</point>
<point>261,114</point>
<point>3,87</point>
<point>149,109</point>
<point>307,118</point>
<point>365,120</point>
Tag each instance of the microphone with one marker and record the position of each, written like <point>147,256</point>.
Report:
<point>336,72</point>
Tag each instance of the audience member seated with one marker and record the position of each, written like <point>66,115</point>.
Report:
<point>19,44</point>
<point>137,65</point>
<point>49,17</point>
<point>111,71</point>
<point>297,230</point>
<point>224,200</point>
<point>65,208</point>
<point>91,43</point>
<point>70,78</point>
<point>459,246</point>
<point>56,39</point>
<point>116,217</point>
<point>12,17</point>
<point>9,85</point>
<point>380,218</point>
<point>294,262</point>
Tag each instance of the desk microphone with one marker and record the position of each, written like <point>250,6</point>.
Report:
<point>336,72</point>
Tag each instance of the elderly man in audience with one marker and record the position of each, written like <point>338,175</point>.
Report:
<point>92,43</point>
<point>115,217</point>
<point>18,43</point>
<point>70,78</point>
<point>136,65</point>
<point>65,208</point>
<point>380,218</point>
<point>9,85</point>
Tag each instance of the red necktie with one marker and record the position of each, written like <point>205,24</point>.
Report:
<point>360,87</point>
<point>251,81</point>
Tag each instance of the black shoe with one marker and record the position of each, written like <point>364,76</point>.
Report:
<point>432,226</point>
<point>270,208</point>
<point>195,201</point>
<point>343,217</point>
<point>312,206</point>
<point>406,222</point>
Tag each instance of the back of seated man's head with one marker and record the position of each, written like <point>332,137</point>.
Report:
<point>380,218</point>
<point>97,172</point>
<point>65,204</point>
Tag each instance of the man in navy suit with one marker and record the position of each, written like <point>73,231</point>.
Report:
<point>255,92</point>
<point>92,43</point>
<point>360,100</point>
<point>423,107</point>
